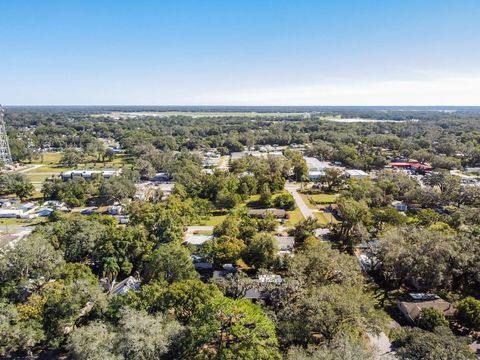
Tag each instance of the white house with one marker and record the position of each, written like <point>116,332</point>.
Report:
<point>316,168</point>
<point>356,174</point>
<point>88,174</point>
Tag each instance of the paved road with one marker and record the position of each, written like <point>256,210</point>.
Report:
<point>292,188</point>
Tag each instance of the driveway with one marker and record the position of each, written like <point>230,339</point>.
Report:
<point>292,188</point>
<point>383,346</point>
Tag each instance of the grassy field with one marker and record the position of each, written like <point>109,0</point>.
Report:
<point>295,217</point>
<point>47,169</point>
<point>50,158</point>
<point>326,218</point>
<point>4,222</point>
<point>216,217</point>
<point>323,198</point>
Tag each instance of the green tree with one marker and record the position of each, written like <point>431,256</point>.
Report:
<point>223,250</point>
<point>138,336</point>
<point>228,227</point>
<point>468,313</point>
<point>326,312</point>
<point>186,298</point>
<point>343,348</point>
<point>430,318</point>
<point>233,329</point>
<point>71,158</point>
<point>285,201</point>
<point>117,188</point>
<point>32,259</point>
<point>227,199</point>
<point>95,341</point>
<point>17,334</point>
<point>333,178</point>
<point>355,217</point>
<point>321,265</point>
<point>66,303</point>
<point>433,258</point>
<point>266,198</point>
<point>261,251</point>
<point>23,189</point>
<point>170,262</point>
<point>414,343</point>
<point>305,229</point>
<point>146,337</point>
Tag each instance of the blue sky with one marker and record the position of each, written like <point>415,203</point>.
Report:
<point>240,52</point>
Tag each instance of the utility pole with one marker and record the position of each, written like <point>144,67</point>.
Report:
<point>5,155</point>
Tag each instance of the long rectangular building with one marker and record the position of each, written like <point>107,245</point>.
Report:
<point>88,174</point>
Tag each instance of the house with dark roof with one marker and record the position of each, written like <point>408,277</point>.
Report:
<point>262,213</point>
<point>412,305</point>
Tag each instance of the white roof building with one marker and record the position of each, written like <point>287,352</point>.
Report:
<point>88,174</point>
<point>316,168</point>
<point>356,174</point>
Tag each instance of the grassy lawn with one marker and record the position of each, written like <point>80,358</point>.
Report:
<point>213,220</point>
<point>295,217</point>
<point>326,218</point>
<point>38,177</point>
<point>51,158</point>
<point>307,201</point>
<point>47,169</point>
<point>19,222</point>
<point>323,198</point>
<point>216,217</point>
<point>318,201</point>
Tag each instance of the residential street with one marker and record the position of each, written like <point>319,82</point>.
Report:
<point>304,209</point>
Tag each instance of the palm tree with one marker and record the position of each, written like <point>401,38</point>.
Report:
<point>110,270</point>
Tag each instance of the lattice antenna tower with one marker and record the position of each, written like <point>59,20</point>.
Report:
<point>5,155</point>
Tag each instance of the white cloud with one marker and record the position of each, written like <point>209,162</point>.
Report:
<point>446,90</point>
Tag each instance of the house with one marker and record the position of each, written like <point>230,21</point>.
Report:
<point>399,206</point>
<point>45,212</point>
<point>285,243</point>
<point>89,174</point>
<point>227,269</point>
<point>412,305</point>
<point>10,213</point>
<point>124,286</point>
<point>411,165</point>
<point>56,205</point>
<point>356,174</point>
<point>316,168</point>
<point>262,213</point>
<point>202,266</point>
